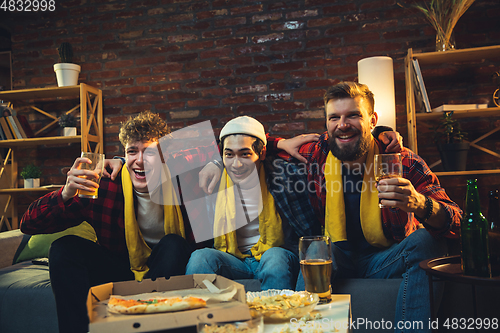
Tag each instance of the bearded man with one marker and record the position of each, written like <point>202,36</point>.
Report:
<point>368,241</point>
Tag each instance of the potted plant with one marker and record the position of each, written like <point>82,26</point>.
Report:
<point>68,122</point>
<point>31,175</point>
<point>66,71</point>
<point>449,138</point>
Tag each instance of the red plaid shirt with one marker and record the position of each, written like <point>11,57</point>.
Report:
<point>49,214</point>
<point>397,224</point>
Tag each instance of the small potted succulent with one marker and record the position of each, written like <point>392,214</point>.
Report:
<point>68,123</point>
<point>449,138</point>
<point>66,71</point>
<point>31,175</point>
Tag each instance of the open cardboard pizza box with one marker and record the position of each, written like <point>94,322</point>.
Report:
<point>103,322</point>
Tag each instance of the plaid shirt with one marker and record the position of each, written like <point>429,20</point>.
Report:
<point>49,214</point>
<point>397,224</point>
<point>294,206</point>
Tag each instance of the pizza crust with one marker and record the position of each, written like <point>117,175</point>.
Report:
<point>154,305</point>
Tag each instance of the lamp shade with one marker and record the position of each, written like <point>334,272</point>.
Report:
<point>378,74</point>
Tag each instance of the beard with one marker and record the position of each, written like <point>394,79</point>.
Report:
<point>351,152</point>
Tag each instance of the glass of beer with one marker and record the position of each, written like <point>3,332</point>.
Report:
<point>387,166</point>
<point>97,166</point>
<point>316,265</point>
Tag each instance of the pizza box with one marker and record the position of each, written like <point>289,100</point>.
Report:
<point>103,322</point>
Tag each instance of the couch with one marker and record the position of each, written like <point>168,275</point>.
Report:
<point>27,303</point>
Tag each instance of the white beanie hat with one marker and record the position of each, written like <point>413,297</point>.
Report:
<point>244,125</point>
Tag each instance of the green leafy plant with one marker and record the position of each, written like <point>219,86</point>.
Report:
<point>448,130</point>
<point>444,15</point>
<point>67,120</point>
<point>31,171</point>
<point>65,53</point>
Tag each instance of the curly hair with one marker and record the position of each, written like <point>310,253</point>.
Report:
<point>146,126</point>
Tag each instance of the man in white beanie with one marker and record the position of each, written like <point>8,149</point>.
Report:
<point>249,233</point>
<point>251,240</point>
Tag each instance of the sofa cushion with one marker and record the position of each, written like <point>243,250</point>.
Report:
<point>372,300</point>
<point>26,300</point>
<point>38,245</point>
<point>9,242</point>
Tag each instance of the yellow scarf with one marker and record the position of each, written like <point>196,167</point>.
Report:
<point>370,213</point>
<point>138,250</point>
<point>271,232</point>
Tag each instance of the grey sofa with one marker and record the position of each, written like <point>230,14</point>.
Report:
<point>27,303</point>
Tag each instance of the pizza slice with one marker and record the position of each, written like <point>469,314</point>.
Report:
<point>154,305</point>
<point>127,306</point>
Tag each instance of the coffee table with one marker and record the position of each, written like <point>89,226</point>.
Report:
<point>335,315</point>
<point>449,269</point>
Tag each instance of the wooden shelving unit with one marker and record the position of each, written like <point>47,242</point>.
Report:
<point>90,139</point>
<point>437,58</point>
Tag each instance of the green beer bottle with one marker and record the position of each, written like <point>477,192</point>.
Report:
<point>474,235</point>
<point>494,233</point>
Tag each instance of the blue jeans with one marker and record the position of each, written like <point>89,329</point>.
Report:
<point>277,268</point>
<point>76,264</point>
<point>399,260</point>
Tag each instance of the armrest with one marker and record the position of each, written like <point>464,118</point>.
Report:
<point>9,242</point>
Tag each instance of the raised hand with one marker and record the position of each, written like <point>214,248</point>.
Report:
<point>292,146</point>
<point>393,141</point>
<point>78,179</point>
<point>208,177</point>
<point>115,165</point>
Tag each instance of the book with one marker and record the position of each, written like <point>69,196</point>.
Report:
<point>26,126</point>
<point>6,129</point>
<point>14,129</point>
<point>19,127</point>
<point>2,136</point>
<point>420,91</point>
<point>454,107</point>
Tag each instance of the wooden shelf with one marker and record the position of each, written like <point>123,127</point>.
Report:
<point>55,140</point>
<point>467,173</point>
<point>446,58</point>
<point>40,93</point>
<point>463,55</point>
<point>41,190</point>
<point>88,105</point>
<point>487,112</point>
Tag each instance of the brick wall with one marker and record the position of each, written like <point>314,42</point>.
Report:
<point>213,60</point>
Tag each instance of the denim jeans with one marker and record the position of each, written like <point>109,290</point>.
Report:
<point>399,260</point>
<point>76,264</point>
<point>277,268</point>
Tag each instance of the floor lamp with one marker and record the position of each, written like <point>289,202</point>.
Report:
<point>378,74</point>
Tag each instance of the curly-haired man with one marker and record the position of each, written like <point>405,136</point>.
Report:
<point>137,238</point>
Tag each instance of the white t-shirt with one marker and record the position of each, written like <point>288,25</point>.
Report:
<point>248,235</point>
<point>150,219</point>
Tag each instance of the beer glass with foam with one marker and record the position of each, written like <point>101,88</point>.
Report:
<point>316,265</point>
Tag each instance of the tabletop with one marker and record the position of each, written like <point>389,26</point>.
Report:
<point>334,317</point>
<point>449,268</point>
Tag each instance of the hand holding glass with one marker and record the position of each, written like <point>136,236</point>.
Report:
<point>97,166</point>
<point>387,166</point>
<point>316,265</point>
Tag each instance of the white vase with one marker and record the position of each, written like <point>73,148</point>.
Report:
<point>32,183</point>
<point>67,74</point>
<point>69,131</point>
